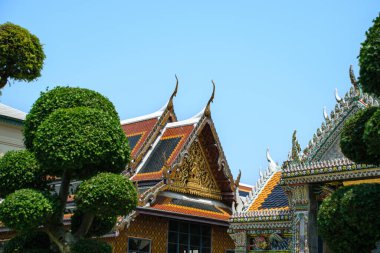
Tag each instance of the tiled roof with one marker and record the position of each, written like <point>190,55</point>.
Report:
<point>190,208</point>
<point>165,150</point>
<point>272,196</point>
<point>137,132</point>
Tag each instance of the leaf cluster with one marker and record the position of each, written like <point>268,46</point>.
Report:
<point>369,59</point>
<point>21,54</point>
<point>18,170</point>
<point>25,209</point>
<point>63,98</point>
<point>83,140</point>
<point>106,194</point>
<point>101,225</point>
<point>348,220</point>
<point>33,242</point>
<point>360,136</point>
<point>93,246</point>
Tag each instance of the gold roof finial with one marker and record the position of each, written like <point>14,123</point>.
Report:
<point>207,110</point>
<point>170,103</point>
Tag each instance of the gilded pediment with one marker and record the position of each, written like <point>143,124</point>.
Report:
<point>193,175</point>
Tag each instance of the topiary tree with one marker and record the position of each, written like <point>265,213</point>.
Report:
<point>36,241</point>
<point>21,54</point>
<point>73,134</point>
<point>352,142</point>
<point>348,220</point>
<point>18,170</point>
<point>63,98</point>
<point>360,136</point>
<point>369,60</point>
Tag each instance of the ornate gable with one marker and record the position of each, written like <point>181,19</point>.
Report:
<point>194,176</point>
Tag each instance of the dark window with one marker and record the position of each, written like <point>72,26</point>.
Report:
<point>187,237</point>
<point>230,251</point>
<point>138,245</point>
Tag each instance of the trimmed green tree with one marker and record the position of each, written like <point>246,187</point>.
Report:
<point>74,134</point>
<point>348,220</point>
<point>21,54</point>
<point>369,59</point>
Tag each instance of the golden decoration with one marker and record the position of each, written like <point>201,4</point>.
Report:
<point>194,175</point>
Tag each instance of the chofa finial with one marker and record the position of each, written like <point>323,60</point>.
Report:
<point>325,115</point>
<point>207,110</point>
<point>337,97</point>
<point>354,82</point>
<point>170,103</point>
<point>272,165</point>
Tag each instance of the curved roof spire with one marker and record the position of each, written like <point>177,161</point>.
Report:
<point>337,97</point>
<point>169,105</point>
<point>207,110</point>
<point>354,82</point>
<point>271,164</point>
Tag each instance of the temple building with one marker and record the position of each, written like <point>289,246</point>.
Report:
<point>280,214</point>
<point>185,185</point>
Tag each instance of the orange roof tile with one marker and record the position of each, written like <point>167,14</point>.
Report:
<point>265,192</point>
<point>141,127</point>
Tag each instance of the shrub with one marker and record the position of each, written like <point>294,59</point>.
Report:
<point>63,97</point>
<point>93,246</point>
<point>348,220</point>
<point>369,60</point>
<point>371,138</point>
<point>25,209</point>
<point>21,54</point>
<point>82,140</point>
<point>18,170</point>
<point>106,194</point>
<point>351,140</point>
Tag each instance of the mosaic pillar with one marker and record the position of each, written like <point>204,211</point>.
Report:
<point>300,204</point>
<point>240,240</point>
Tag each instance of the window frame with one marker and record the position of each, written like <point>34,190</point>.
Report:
<point>140,238</point>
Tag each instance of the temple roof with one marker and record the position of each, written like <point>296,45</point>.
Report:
<point>322,159</point>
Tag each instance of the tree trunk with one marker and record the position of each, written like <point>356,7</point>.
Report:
<point>87,220</point>
<point>3,81</point>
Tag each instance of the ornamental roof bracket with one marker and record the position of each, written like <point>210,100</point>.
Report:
<point>325,115</point>
<point>337,97</point>
<point>237,181</point>
<point>207,110</point>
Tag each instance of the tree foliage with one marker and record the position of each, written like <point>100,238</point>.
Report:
<point>63,98</point>
<point>18,170</point>
<point>371,138</point>
<point>82,140</point>
<point>106,194</point>
<point>25,209</point>
<point>36,241</point>
<point>21,54</point>
<point>351,141</point>
<point>74,134</point>
<point>101,225</point>
<point>348,220</point>
<point>369,59</point>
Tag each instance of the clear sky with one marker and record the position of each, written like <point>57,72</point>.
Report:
<point>275,63</point>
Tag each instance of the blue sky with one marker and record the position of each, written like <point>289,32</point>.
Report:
<point>275,63</point>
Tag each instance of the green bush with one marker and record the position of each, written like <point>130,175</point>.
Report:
<point>371,138</point>
<point>93,246</point>
<point>33,242</point>
<point>369,60</point>
<point>59,98</point>
<point>351,140</point>
<point>25,209</point>
<point>82,140</point>
<point>18,170</point>
<point>348,220</point>
<point>101,225</point>
<point>106,194</point>
<point>21,54</point>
